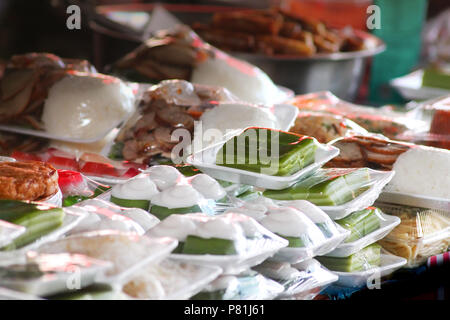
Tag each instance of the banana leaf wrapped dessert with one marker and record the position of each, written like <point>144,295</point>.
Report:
<point>268,151</point>
<point>163,190</point>
<point>326,187</point>
<point>364,259</point>
<point>436,76</point>
<point>316,215</point>
<point>38,219</point>
<point>230,287</point>
<point>361,223</point>
<point>294,226</point>
<point>199,234</point>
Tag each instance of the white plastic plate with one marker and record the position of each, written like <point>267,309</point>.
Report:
<point>8,294</point>
<point>71,219</point>
<point>9,232</point>
<point>268,290</point>
<point>197,281</point>
<point>56,199</point>
<point>158,249</point>
<point>50,284</point>
<point>297,255</point>
<point>7,159</point>
<point>257,251</point>
<point>394,197</point>
<point>185,284</point>
<point>387,223</point>
<point>389,263</point>
<point>410,87</point>
<point>364,200</point>
<point>44,134</point>
<point>318,278</point>
<point>206,158</point>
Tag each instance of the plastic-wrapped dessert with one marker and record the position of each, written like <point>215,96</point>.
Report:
<point>327,187</point>
<point>295,152</point>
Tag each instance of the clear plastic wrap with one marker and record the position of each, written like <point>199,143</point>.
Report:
<point>388,264</point>
<point>221,122</point>
<point>377,120</point>
<point>7,159</point>
<point>163,190</point>
<point>422,171</point>
<point>56,199</point>
<point>364,259</point>
<point>97,291</point>
<point>15,252</point>
<point>169,105</point>
<point>325,127</point>
<point>371,151</point>
<point>47,274</point>
<point>77,90</point>
<point>70,158</point>
<point>170,280</point>
<point>309,230</point>
<point>9,232</point>
<point>179,53</point>
<point>337,191</point>
<point>363,267</point>
<point>411,87</point>
<point>128,251</point>
<point>436,37</point>
<point>101,218</point>
<point>106,215</point>
<point>436,113</point>
<point>75,187</point>
<point>301,281</point>
<point>248,285</point>
<point>262,176</point>
<point>422,233</point>
<point>234,242</point>
<point>29,181</point>
<point>8,294</point>
<point>366,227</point>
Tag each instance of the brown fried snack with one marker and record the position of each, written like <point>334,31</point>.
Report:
<point>27,180</point>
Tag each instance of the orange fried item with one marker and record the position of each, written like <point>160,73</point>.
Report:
<point>251,21</point>
<point>27,180</point>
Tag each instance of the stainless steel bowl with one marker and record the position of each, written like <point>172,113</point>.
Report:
<point>341,73</point>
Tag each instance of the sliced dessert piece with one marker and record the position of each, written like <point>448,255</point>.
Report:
<point>366,258</point>
<point>268,151</point>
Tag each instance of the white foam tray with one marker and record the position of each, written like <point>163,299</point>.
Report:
<point>394,197</point>
<point>71,219</point>
<point>205,161</point>
<point>387,223</point>
<point>410,87</point>
<point>389,263</point>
